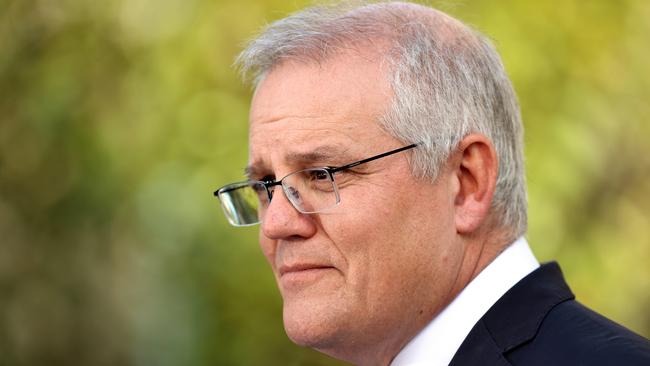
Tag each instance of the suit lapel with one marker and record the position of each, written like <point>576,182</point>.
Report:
<point>515,318</point>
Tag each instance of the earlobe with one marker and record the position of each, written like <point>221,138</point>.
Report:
<point>476,171</point>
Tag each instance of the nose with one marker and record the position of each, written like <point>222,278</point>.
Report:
<point>282,221</point>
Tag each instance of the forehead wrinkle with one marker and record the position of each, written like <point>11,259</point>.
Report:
<point>286,127</point>
<point>282,117</point>
<point>322,153</point>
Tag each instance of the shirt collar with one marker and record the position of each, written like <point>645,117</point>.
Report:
<point>437,342</point>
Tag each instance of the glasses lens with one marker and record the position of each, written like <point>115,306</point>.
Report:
<point>311,190</point>
<point>241,201</point>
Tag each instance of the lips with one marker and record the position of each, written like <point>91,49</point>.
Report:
<point>301,276</point>
<point>301,267</point>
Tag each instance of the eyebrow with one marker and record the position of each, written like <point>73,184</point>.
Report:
<point>329,154</point>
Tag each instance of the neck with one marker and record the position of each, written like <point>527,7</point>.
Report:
<point>479,251</point>
<point>374,352</point>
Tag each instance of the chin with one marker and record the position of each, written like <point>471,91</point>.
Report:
<point>314,325</point>
<point>336,329</point>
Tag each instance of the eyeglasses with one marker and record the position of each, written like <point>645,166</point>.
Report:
<point>309,190</point>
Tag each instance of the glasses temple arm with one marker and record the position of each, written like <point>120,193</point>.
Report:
<point>352,165</point>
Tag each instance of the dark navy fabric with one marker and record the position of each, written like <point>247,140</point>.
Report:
<point>538,322</point>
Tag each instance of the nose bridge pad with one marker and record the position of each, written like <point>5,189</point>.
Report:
<point>269,193</point>
<point>273,194</point>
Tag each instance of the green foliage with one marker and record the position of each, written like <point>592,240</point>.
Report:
<point>119,118</point>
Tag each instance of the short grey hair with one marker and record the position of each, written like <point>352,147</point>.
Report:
<point>447,79</point>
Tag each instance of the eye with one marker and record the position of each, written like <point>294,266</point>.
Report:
<point>268,178</point>
<point>319,180</point>
<point>318,175</point>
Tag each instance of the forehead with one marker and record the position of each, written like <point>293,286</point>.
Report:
<point>303,106</point>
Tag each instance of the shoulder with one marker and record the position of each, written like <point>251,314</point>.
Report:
<point>539,322</point>
<point>572,334</point>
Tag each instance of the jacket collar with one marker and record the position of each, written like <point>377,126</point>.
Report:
<point>515,318</point>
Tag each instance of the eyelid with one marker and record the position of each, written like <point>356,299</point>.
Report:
<point>260,177</point>
<point>267,178</point>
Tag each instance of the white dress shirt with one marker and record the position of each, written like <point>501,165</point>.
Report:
<point>437,343</point>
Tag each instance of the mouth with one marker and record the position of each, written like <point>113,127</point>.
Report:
<point>295,277</point>
<point>301,267</point>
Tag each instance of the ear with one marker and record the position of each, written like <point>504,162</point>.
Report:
<point>475,170</point>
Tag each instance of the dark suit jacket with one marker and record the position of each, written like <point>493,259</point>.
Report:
<point>538,322</point>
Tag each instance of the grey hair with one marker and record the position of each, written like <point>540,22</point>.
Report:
<point>447,79</point>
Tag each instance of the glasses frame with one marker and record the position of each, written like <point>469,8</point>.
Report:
<point>331,170</point>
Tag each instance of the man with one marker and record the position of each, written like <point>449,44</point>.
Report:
<point>386,171</point>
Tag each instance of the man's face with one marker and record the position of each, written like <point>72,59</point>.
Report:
<point>373,270</point>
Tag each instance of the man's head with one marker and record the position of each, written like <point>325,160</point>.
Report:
<point>339,84</point>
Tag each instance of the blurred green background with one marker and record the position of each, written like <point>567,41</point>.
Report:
<point>118,118</point>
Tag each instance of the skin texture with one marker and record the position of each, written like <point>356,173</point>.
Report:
<point>360,280</point>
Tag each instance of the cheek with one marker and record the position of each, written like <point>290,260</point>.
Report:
<point>382,234</point>
<point>385,216</point>
<point>370,232</point>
